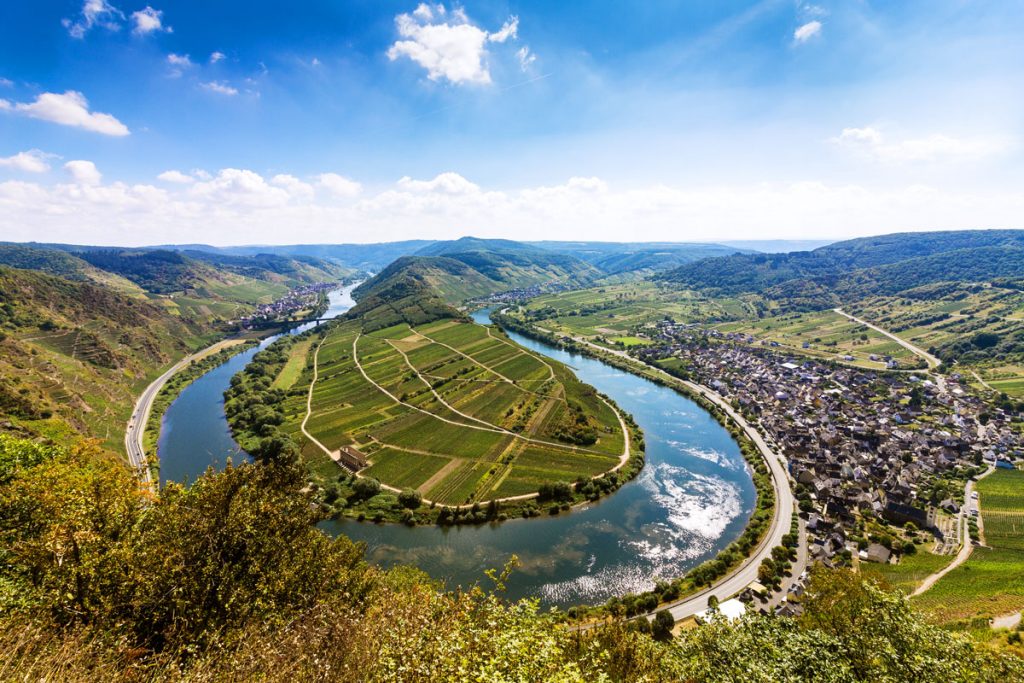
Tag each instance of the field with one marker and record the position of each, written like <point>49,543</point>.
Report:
<point>827,334</point>
<point>452,409</point>
<point>911,570</point>
<point>620,310</point>
<point>991,582</point>
<point>293,368</point>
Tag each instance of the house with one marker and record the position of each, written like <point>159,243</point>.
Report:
<point>351,458</point>
<point>876,552</point>
<point>731,609</point>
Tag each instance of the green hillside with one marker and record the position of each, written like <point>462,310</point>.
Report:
<point>872,265</point>
<point>75,354</point>
<point>231,580</point>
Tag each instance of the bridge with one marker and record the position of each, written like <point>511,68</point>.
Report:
<point>267,324</point>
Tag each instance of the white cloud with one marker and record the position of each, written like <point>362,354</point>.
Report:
<point>870,142</point>
<point>149,20</point>
<point>220,87</point>
<point>217,56</point>
<point>452,48</point>
<point>339,186</point>
<point>293,186</point>
<point>5,82</point>
<point>240,206</point>
<point>447,183</point>
<point>525,57</point>
<point>508,30</point>
<point>94,13</point>
<point>807,31</point>
<point>32,161</point>
<point>69,109</point>
<point>240,187</point>
<point>176,177</point>
<point>83,172</point>
<point>179,60</point>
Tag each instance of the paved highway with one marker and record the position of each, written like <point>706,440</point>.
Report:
<point>143,407</point>
<point>932,361</point>
<point>785,505</point>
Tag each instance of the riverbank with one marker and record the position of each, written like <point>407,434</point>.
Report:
<point>739,564</point>
<point>198,365</point>
<point>270,432</point>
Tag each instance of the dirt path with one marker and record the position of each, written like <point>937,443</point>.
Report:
<point>551,370</point>
<point>497,430</point>
<point>440,475</point>
<point>472,360</point>
<point>966,546</point>
<point>309,405</point>
<point>981,381</point>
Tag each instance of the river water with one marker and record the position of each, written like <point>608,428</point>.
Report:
<point>194,434</point>
<point>692,498</point>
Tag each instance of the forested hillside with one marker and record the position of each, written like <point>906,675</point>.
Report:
<point>850,271</point>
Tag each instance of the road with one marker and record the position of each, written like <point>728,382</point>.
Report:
<point>932,361</point>
<point>785,506</point>
<point>966,545</point>
<point>144,406</point>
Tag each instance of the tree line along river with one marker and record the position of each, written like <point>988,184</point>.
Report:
<point>693,497</point>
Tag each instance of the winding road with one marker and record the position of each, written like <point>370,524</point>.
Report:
<point>133,438</point>
<point>785,505</point>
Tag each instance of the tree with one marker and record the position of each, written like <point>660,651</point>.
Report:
<point>409,498</point>
<point>663,624</point>
<point>366,487</point>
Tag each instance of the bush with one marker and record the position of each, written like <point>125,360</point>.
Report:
<point>663,624</point>
<point>409,499</point>
<point>366,487</point>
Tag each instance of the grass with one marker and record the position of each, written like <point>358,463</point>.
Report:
<point>293,368</point>
<point>827,334</point>
<point>991,582</point>
<point>618,310</point>
<point>456,391</point>
<point>403,469</point>
<point>911,570</point>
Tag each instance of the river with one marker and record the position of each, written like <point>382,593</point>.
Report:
<point>692,498</point>
<point>194,434</point>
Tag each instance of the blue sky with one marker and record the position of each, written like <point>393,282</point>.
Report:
<point>148,121</point>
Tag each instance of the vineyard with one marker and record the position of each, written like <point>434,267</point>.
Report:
<point>452,409</point>
<point>990,583</point>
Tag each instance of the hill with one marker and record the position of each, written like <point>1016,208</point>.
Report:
<point>367,257</point>
<point>74,354</point>
<point>852,269</point>
<point>416,289</point>
<point>203,287</point>
<point>616,258</point>
<point>468,244</point>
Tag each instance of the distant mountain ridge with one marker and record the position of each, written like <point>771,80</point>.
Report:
<point>882,265</point>
<point>612,258</point>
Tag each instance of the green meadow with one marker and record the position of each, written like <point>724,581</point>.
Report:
<point>452,409</point>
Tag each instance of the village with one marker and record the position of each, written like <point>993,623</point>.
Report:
<point>875,456</point>
<point>304,298</point>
